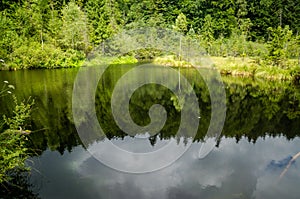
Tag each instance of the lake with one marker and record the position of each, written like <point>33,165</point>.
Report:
<point>259,138</point>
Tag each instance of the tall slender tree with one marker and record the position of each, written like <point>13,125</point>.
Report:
<point>74,32</point>
<point>105,19</point>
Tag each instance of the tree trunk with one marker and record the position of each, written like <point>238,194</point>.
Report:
<point>42,40</point>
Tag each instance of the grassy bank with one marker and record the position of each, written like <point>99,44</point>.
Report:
<point>251,67</point>
<point>245,67</point>
<point>171,60</point>
<point>235,66</point>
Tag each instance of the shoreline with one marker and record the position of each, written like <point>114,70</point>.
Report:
<point>227,66</point>
<point>243,67</point>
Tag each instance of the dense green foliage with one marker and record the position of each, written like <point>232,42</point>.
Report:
<point>13,150</point>
<point>51,33</point>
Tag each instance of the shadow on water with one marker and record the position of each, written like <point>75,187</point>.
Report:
<point>19,187</point>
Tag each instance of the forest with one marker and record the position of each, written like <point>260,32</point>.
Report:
<point>57,34</point>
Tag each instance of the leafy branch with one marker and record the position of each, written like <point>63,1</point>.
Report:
<point>13,150</point>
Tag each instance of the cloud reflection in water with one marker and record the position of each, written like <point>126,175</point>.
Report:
<point>230,171</point>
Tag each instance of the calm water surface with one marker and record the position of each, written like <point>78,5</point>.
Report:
<point>260,136</point>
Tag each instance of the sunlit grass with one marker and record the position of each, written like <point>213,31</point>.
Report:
<point>254,67</point>
<point>171,60</point>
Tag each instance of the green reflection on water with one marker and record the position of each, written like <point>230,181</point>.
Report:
<point>255,108</point>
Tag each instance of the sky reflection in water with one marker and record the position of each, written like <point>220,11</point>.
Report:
<point>230,171</point>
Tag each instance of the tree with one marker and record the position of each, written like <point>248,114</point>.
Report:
<point>180,26</point>
<point>181,23</point>
<point>74,32</point>
<point>244,23</point>
<point>294,48</point>
<point>39,14</point>
<point>207,33</point>
<point>277,45</point>
<point>54,24</point>
<point>273,13</point>
<point>8,36</point>
<point>105,18</point>
<point>157,13</point>
<point>241,11</point>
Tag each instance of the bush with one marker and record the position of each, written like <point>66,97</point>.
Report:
<point>13,151</point>
<point>33,55</point>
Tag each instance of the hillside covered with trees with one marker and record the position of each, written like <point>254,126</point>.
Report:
<point>54,34</point>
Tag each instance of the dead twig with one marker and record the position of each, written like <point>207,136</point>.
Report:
<point>289,164</point>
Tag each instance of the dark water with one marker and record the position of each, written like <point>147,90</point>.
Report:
<point>260,135</point>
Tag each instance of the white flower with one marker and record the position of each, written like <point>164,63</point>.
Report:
<point>8,92</point>
<point>6,82</point>
<point>11,86</point>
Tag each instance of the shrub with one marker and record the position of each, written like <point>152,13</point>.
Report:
<point>13,151</point>
<point>33,55</point>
